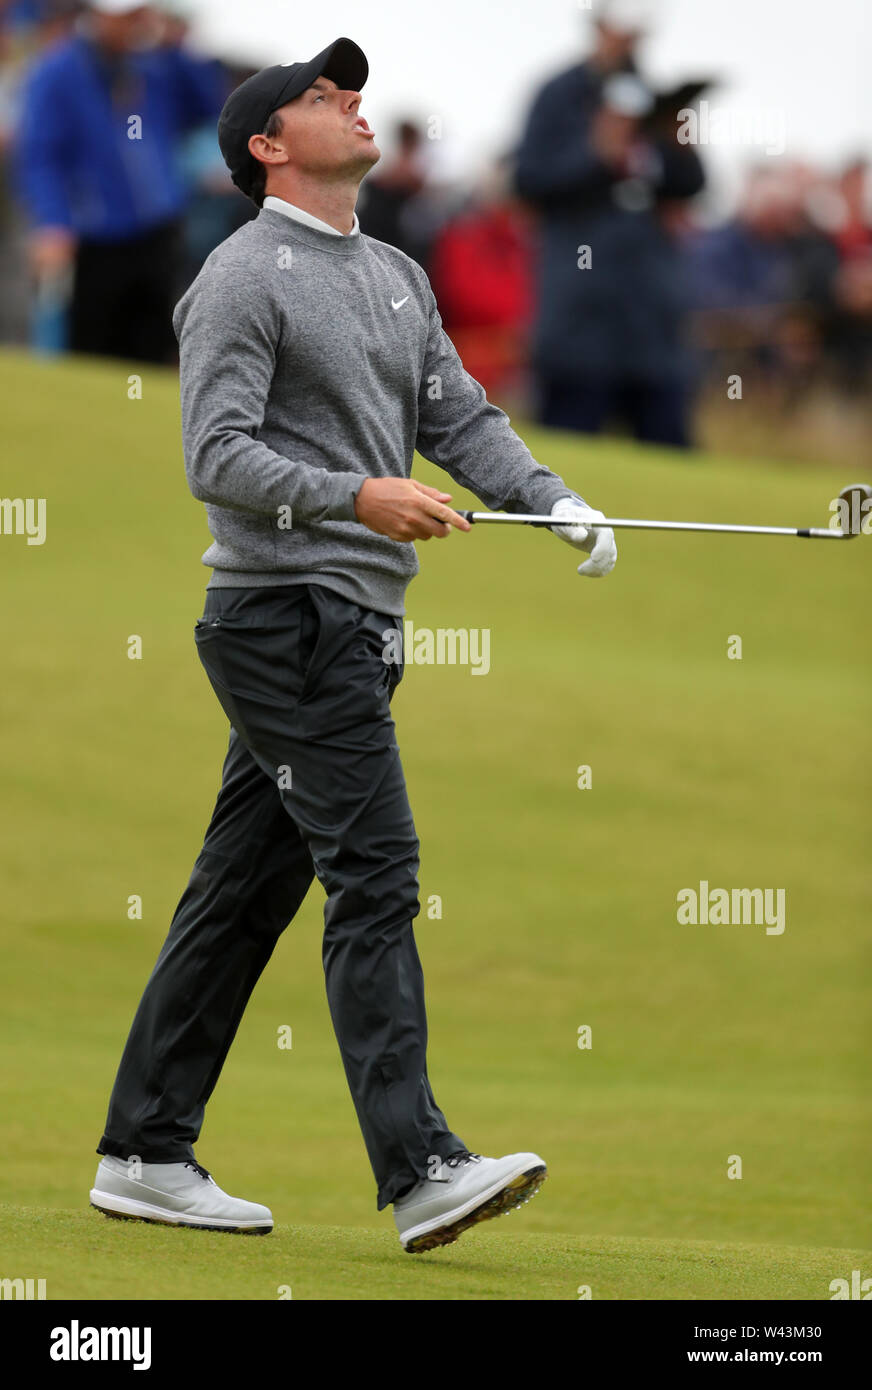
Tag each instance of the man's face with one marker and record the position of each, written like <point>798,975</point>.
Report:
<point>614,45</point>
<point>324,133</point>
<point>124,33</point>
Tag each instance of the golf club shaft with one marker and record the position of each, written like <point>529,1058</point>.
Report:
<point>632,524</point>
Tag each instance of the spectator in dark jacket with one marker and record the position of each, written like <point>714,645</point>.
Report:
<point>385,196</point>
<point>96,167</point>
<point>608,339</point>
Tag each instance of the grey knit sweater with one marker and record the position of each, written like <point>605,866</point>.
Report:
<point>309,363</point>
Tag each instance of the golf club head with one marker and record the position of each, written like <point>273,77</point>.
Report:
<point>858,499</point>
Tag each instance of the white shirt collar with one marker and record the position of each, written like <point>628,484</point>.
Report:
<point>296,214</point>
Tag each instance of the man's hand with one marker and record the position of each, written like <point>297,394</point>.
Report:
<point>598,541</point>
<point>612,135</point>
<point>51,251</point>
<point>405,510</point>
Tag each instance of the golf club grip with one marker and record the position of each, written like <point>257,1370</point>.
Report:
<point>472,518</point>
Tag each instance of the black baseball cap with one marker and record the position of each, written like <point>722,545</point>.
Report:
<point>249,107</point>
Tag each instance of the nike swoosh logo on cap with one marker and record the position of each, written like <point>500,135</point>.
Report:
<point>398,303</point>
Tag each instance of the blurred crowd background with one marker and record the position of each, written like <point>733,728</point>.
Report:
<point>581,276</point>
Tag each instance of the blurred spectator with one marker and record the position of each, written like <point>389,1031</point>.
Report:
<point>609,339</point>
<point>482,274</point>
<point>389,194</point>
<point>26,26</point>
<point>20,14</point>
<point>851,327</point>
<point>96,166</point>
<point>853,222</point>
<point>765,280</point>
<point>216,208</point>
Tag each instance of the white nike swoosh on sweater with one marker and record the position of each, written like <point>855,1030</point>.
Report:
<point>398,304</point>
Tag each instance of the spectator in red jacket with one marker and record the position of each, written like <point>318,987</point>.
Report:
<point>482,275</point>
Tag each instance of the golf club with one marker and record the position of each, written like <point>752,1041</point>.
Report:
<point>857,498</point>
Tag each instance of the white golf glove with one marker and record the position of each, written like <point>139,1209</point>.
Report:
<point>598,541</point>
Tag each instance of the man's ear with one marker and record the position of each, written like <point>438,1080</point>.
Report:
<point>263,149</point>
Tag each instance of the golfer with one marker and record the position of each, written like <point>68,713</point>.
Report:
<point>313,365</point>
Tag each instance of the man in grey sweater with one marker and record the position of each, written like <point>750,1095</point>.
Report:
<point>313,365</point>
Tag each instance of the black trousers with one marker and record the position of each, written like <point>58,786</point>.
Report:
<point>123,296</point>
<point>312,785</point>
<point>657,413</point>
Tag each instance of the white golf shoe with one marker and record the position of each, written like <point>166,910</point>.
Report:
<point>173,1194</point>
<point>464,1190</point>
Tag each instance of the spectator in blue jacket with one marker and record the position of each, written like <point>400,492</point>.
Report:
<point>97,169</point>
<point>611,302</point>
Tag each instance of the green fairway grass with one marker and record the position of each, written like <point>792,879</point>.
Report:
<point>558,905</point>
<point>82,1255</point>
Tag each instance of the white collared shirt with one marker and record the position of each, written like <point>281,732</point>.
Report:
<point>296,214</point>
